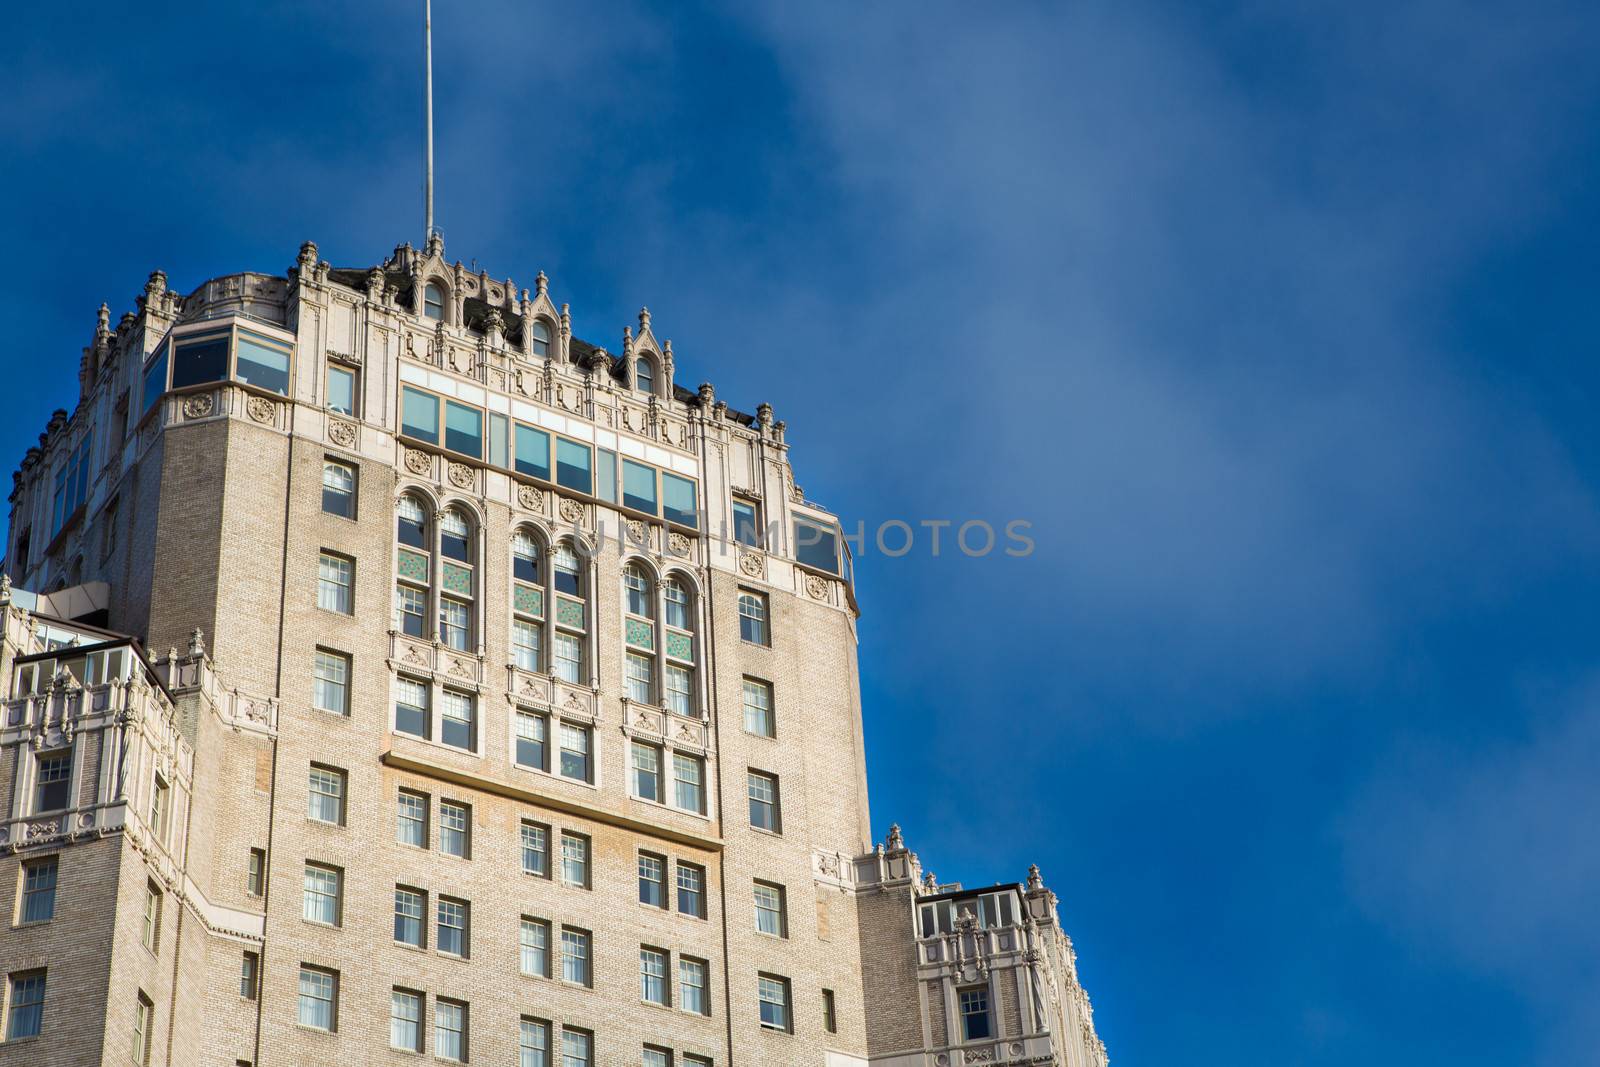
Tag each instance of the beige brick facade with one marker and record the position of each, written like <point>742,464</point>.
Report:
<point>185,503</point>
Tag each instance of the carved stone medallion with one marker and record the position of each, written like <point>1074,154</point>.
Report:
<point>197,406</point>
<point>418,462</point>
<point>571,510</point>
<point>531,497</point>
<point>342,433</point>
<point>259,408</point>
<point>817,587</point>
<point>637,534</point>
<point>751,564</point>
<point>679,544</point>
<point>461,475</point>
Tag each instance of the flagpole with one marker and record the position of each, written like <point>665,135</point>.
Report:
<point>427,52</point>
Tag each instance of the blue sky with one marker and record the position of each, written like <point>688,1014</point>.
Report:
<point>1275,321</point>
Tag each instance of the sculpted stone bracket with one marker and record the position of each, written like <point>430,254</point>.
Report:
<point>448,666</point>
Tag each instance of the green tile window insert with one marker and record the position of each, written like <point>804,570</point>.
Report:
<point>457,579</point>
<point>569,612</point>
<point>528,600</point>
<point>680,646</point>
<point>641,634</point>
<point>413,565</point>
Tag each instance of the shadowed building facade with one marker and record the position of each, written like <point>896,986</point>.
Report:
<point>391,674</point>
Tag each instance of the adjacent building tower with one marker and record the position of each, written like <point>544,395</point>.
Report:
<point>389,672</point>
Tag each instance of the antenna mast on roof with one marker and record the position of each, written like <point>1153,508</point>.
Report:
<point>427,56</point>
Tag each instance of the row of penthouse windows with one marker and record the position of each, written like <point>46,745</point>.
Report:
<point>255,359</point>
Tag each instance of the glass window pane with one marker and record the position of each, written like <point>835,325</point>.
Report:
<point>200,359</point>
<point>678,500</point>
<point>463,429</point>
<point>638,486</point>
<point>155,379</point>
<point>532,452</point>
<point>572,466</point>
<point>263,363</point>
<point>341,390</point>
<point>497,439</point>
<point>605,475</point>
<point>816,546</point>
<point>419,415</point>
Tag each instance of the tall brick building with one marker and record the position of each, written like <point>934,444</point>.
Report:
<point>390,674</point>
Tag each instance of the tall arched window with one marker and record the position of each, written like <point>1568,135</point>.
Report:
<point>679,640</point>
<point>644,375</point>
<point>541,337</point>
<point>527,601</point>
<point>639,665</point>
<point>433,301</point>
<point>456,583</point>
<point>413,567</point>
<point>572,616</point>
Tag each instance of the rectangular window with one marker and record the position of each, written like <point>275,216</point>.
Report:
<point>450,935</point>
<point>747,523</point>
<point>155,380</point>
<point>335,583</point>
<point>574,955</point>
<point>410,909</point>
<point>319,997</point>
<point>770,918</point>
<point>639,670</point>
<point>678,500</point>
<point>656,1057</point>
<point>569,658</point>
<point>450,1030</point>
<point>575,752</point>
<point>459,721</point>
<point>753,618</point>
<point>679,690</point>
<point>531,452</point>
<point>653,966</point>
<point>463,429</point>
<point>320,903</point>
<point>330,682</point>
<point>572,466</point>
<point>758,717</point>
<point>341,389</point>
<point>25,1006</point>
<point>974,1014</point>
<point>339,489</point>
<point>198,359</point>
<point>652,879</point>
<point>411,819</point>
<point>830,1019</point>
<point>525,644</point>
<point>150,921</point>
<point>533,1043</point>
<point>773,992</point>
<point>499,432</point>
<point>39,890</point>
<point>535,849</point>
<point>691,890</point>
<point>455,623</point>
<point>144,1014</point>
<point>263,363</point>
<point>639,487</point>
<point>647,772</point>
<point>816,545</point>
<point>419,415</point>
<point>455,829</point>
<point>158,809</point>
<point>535,947</point>
<point>688,783</point>
<point>405,1020</point>
<point>249,975</point>
<point>325,798</point>
<point>53,783</point>
<point>605,475</point>
<point>256,879</point>
<point>533,735</point>
<point>575,859</point>
<point>763,791</point>
<point>411,705</point>
<point>410,610</point>
<point>692,986</point>
<point>575,1047</point>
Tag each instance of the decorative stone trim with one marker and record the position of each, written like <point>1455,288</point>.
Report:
<point>571,510</point>
<point>260,409</point>
<point>531,497</point>
<point>817,587</point>
<point>419,462</point>
<point>342,433</point>
<point>752,563</point>
<point>461,476</point>
<point>198,405</point>
<point>678,544</point>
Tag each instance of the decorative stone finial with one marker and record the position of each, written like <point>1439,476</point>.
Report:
<point>197,642</point>
<point>666,352</point>
<point>541,285</point>
<point>157,283</point>
<point>708,395</point>
<point>435,245</point>
<point>1035,883</point>
<point>308,255</point>
<point>764,415</point>
<point>5,586</point>
<point>644,319</point>
<point>929,882</point>
<point>627,340</point>
<point>104,320</point>
<point>896,840</point>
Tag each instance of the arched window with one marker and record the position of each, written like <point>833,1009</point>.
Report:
<point>541,337</point>
<point>527,602</point>
<point>679,673</point>
<point>568,660</point>
<point>639,663</point>
<point>644,375</point>
<point>433,302</point>
<point>456,582</point>
<point>413,567</point>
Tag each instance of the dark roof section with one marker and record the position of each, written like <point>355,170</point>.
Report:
<point>959,894</point>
